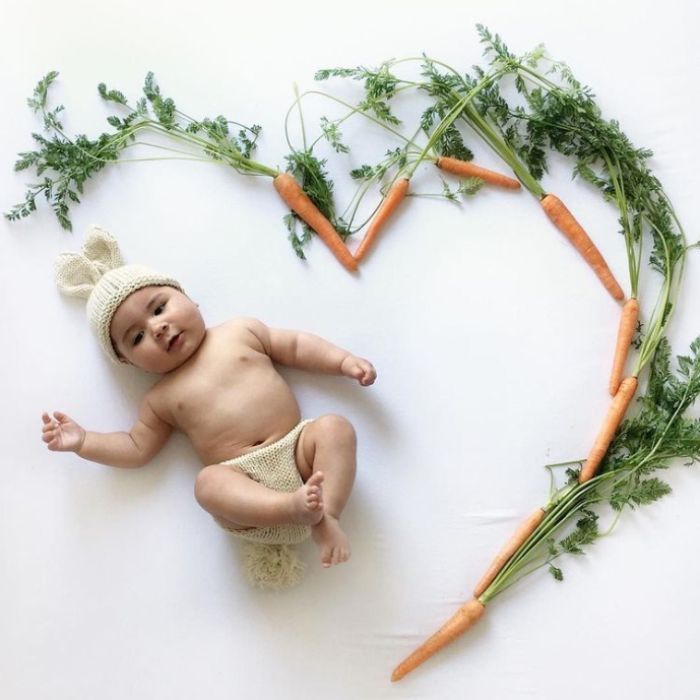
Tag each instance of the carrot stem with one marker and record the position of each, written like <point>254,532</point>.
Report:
<point>524,531</point>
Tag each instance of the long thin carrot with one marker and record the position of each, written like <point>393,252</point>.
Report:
<point>393,198</point>
<point>525,529</point>
<point>468,615</point>
<point>564,220</point>
<point>464,168</point>
<point>298,201</point>
<point>628,323</point>
<point>613,418</point>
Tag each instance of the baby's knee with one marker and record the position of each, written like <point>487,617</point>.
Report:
<point>337,427</point>
<point>206,486</point>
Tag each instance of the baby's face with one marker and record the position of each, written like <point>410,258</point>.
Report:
<point>157,329</point>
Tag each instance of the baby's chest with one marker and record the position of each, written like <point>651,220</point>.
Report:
<point>223,387</point>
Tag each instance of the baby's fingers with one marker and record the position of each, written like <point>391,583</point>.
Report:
<point>357,372</point>
<point>369,374</point>
<point>49,427</point>
<point>52,439</point>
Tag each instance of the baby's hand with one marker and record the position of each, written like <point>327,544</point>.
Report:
<point>358,368</point>
<point>62,434</point>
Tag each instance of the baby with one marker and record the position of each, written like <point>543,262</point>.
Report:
<point>268,476</point>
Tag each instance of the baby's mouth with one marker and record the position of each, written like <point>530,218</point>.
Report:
<point>172,341</point>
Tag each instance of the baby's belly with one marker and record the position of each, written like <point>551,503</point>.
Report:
<point>237,432</point>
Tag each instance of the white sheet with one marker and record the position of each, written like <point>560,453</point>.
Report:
<point>491,339</point>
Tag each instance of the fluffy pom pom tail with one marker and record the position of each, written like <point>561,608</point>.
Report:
<point>272,566</point>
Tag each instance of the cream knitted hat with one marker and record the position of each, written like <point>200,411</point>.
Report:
<point>98,274</point>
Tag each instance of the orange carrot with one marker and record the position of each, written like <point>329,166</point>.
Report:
<point>459,623</point>
<point>519,536</point>
<point>617,409</point>
<point>392,200</point>
<point>464,168</point>
<point>564,220</point>
<point>298,201</point>
<point>628,322</point>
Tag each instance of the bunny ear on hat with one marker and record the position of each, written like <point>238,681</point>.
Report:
<point>98,274</point>
<point>78,273</point>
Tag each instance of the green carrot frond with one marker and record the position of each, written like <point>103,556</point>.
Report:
<point>310,172</point>
<point>164,108</point>
<point>38,99</point>
<point>332,134</point>
<point>111,95</point>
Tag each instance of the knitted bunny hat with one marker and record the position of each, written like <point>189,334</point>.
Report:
<point>98,274</point>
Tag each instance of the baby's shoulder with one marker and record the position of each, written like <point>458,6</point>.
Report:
<point>243,323</point>
<point>247,331</point>
<point>158,400</point>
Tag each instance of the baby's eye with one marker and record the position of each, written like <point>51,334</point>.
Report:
<point>159,309</point>
<point>137,338</point>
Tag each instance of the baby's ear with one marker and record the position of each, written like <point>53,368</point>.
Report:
<point>120,357</point>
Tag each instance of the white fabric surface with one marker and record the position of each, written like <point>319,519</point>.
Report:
<point>492,342</point>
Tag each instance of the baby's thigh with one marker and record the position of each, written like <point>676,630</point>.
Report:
<point>327,434</point>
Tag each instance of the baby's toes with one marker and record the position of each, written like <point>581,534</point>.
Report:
<point>338,555</point>
<point>316,479</point>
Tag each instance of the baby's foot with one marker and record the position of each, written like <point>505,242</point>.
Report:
<point>307,501</point>
<point>331,540</point>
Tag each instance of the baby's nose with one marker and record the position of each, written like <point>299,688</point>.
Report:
<point>159,328</point>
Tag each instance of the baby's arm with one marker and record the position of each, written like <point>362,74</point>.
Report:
<point>132,449</point>
<point>309,352</point>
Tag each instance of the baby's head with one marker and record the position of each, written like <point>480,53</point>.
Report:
<point>140,316</point>
<point>156,328</point>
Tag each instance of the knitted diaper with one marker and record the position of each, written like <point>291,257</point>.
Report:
<point>270,563</point>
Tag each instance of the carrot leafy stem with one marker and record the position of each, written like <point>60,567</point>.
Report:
<point>311,174</point>
<point>67,163</point>
<point>646,443</point>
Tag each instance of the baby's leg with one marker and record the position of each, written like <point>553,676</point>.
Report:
<point>328,445</point>
<point>240,502</point>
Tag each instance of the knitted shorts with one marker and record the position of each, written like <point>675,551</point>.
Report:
<point>273,466</point>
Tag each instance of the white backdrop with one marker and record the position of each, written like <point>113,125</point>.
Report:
<point>491,338</point>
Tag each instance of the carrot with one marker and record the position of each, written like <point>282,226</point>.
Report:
<point>298,201</point>
<point>460,622</point>
<point>464,168</point>
<point>511,547</point>
<point>628,322</point>
<point>617,409</point>
<point>392,200</point>
<point>564,220</point>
